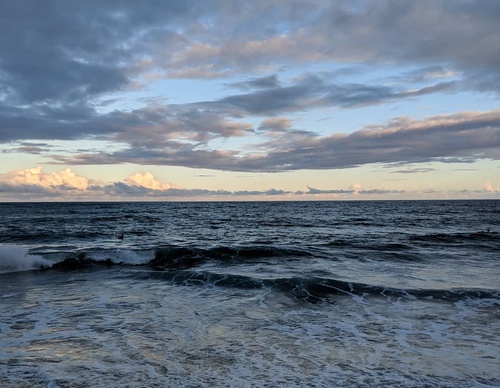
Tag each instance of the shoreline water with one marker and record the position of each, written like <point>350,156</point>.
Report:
<point>250,294</point>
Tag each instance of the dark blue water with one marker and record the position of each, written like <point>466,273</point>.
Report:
<point>251,293</point>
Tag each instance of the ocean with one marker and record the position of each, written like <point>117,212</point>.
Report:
<point>250,294</point>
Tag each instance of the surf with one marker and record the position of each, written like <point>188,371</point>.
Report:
<point>15,258</point>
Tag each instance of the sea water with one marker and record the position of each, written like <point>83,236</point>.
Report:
<point>250,294</point>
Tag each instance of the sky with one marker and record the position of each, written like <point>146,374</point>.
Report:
<point>105,100</point>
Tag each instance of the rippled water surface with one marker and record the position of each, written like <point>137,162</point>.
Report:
<point>250,294</point>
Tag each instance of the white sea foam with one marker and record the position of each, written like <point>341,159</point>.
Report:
<point>124,256</point>
<point>113,331</point>
<point>14,258</point>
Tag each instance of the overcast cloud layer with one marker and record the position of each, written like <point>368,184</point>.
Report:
<point>63,62</point>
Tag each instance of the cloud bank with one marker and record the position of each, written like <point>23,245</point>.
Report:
<point>465,137</point>
<point>36,184</point>
<point>67,67</point>
<point>66,184</point>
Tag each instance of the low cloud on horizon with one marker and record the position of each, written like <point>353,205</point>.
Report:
<point>36,184</point>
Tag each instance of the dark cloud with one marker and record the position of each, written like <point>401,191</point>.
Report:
<point>311,92</point>
<point>31,150</point>
<point>459,138</point>
<point>7,188</point>
<point>257,83</point>
<point>122,189</point>
<point>74,50</point>
<point>313,191</point>
<point>447,138</point>
<point>461,34</point>
<point>59,57</point>
<point>160,126</point>
<point>275,100</point>
<point>28,148</point>
<point>275,124</point>
<point>422,170</point>
<point>62,62</point>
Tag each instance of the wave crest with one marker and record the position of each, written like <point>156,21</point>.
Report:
<point>14,258</point>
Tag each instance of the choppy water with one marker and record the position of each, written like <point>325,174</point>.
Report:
<point>320,294</point>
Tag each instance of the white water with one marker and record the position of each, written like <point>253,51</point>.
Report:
<point>14,258</point>
<point>124,256</point>
<point>118,327</point>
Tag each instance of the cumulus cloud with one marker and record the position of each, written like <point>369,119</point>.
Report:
<point>148,181</point>
<point>20,184</point>
<point>490,188</point>
<point>65,180</point>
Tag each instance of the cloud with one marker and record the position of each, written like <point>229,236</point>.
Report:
<point>87,48</point>
<point>177,128</point>
<point>279,124</point>
<point>96,51</point>
<point>27,148</point>
<point>52,182</point>
<point>421,170</point>
<point>160,126</point>
<point>148,181</point>
<point>355,189</point>
<point>99,47</point>
<point>426,32</point>
<point>462,137</point>
<point>66,184</point>
<point>437,138</point>
<point>267,82</point>
<point>36,184</point>
<point>312,91</point>
<point>490,188</point>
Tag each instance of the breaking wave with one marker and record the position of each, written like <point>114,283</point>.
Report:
<point>314,289</point>
<point>14,258</point>
<point>182,266</point>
